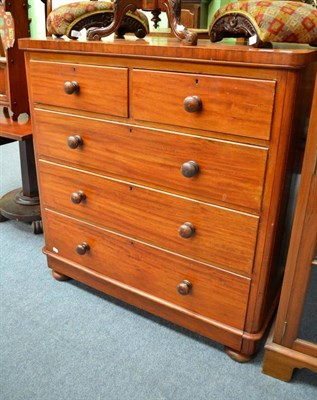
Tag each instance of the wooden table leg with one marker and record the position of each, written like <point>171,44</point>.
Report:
<point>28,171</point>
<point>23,204</point>
<point>173,10</point>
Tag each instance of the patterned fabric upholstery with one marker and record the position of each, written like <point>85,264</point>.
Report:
<point>61,20</point>
<point>7,33</point>
<point>273,21</point>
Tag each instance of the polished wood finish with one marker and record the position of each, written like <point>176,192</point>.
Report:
<point>129,166</point>
<point>229,172</point>
<point>284,349</point>
<point>149,269</point>
<point>4,100</point>
<point>224,104</point>
<point>79,80</point>
<point>190,14</point>
<point>15,130</point>
<point>284,56</point>
<point>15,87</point>
<point>179,315</point>
<point>21,204</point>
<point>154,216</point>
<point>280,361</point>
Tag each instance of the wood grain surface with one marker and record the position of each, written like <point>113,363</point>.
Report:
<point>223,237</point>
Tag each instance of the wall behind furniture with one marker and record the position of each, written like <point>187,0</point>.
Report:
<point>37,15</point>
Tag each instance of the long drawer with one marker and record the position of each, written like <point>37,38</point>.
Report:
<point>216,235</point>
<point>215,294</point>
<point>237,106</point>
<point>100,89</point>
<point>228,172</point>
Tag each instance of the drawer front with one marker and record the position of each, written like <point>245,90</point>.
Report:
<point>101,89</point>
<point>237,106</point>
<point>215,294</point>
<point>222,237</point>
<point>228,172</point>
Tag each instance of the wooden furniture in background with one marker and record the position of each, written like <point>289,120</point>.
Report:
<point>190,14</point>
<point>171,7</point>
<point>168,191</point>
<point>13,78</point>
<point>23,203</point>
<point>286,349</point>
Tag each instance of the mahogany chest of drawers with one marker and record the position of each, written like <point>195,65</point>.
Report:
<point>163,173</point>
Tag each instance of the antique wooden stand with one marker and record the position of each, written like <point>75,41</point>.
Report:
<point>21,204</point>
<point>171,7</point>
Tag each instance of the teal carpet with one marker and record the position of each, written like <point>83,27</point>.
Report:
<point>65,341</point>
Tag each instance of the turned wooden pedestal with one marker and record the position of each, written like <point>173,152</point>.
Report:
<point>21,204</point>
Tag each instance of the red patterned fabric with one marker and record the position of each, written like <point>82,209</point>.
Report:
<point>6,28</point>
<point>276,21</point>
<point>59,20</point>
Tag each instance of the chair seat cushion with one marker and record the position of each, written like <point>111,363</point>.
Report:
<point>266,21</point>
<point>67,19</point>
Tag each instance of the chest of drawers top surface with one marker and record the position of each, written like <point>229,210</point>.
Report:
<point>283,55</point>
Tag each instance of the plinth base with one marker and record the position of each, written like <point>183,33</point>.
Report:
<point>14,205</point>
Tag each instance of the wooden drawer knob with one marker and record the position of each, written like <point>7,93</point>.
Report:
<point>78,197</point>
<point>184,287</point>
<point>193,104</point>
<point>74,141</point>
<point>82,248</point>
<point>71,87</point>
<point>186,230</point>
<point>189,169</point>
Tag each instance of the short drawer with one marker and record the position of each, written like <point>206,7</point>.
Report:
<point>228,172</point>
<point>213,293</point>
<point>216,235</point>
<point>100,89</point>
<point>237,106</point>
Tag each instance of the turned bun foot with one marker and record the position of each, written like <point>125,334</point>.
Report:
<point>60,277</point>
<point>237,356</point>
